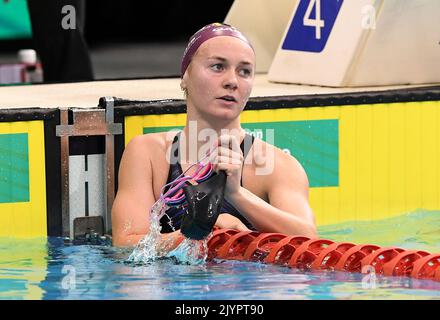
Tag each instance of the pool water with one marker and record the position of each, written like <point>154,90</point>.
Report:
<point>56,269</point>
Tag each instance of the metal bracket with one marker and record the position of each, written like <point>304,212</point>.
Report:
<point>88,122</point>
<point>88,225</point>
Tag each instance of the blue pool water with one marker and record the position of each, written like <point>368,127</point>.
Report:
<point>55,269</point>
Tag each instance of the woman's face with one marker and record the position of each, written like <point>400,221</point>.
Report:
<point>219,78</point>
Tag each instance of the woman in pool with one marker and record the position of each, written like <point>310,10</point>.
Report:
<point>266,189</point>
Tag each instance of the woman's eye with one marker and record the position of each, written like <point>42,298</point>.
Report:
<point>217,67</point>
<point>245,72</point>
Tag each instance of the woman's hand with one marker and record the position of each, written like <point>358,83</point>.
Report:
<point>228,157</point>
<point>228,221</point>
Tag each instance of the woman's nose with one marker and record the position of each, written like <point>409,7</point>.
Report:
<point>230,80</point>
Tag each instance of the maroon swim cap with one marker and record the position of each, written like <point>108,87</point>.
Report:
<point>207,32</point>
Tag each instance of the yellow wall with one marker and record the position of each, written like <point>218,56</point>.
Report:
<point>27,219</point>
<point>389,162</point>
<point>27,260</point>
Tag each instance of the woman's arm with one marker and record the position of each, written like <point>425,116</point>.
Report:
<point>288,210</point>
<point>134,199</point>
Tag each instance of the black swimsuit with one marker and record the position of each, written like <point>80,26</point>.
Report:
<point>173,216</point>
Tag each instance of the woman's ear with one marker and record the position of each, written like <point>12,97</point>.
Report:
<point>184,86</point>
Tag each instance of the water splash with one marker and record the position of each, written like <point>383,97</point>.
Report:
<point>192,252</point>
<point>152,248</point>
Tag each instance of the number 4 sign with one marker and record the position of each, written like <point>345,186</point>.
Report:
<point>312,25</point>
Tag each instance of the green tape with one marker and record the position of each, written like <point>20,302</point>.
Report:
<point>14,168</point>
<point>160,129</point>
<point>314,143</point>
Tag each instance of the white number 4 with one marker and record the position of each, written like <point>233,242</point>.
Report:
<point>317,22</point>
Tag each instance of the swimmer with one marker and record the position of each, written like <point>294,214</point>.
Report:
<point>217,74</point>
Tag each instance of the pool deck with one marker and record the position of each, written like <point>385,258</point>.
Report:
<point>87,94</point>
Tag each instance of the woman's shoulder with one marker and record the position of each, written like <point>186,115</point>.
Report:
<point>262,149</point>
<point>147,146</point>
<point>149,141</point>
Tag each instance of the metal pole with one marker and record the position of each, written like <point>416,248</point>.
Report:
<point>109,164</point>
<point>64,121</point>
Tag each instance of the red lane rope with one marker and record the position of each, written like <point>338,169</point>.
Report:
<point>351,259</point>
<point>283,249</point>
<point>236,245</point>
<point>321,254</point>
<point>306,253</point>
<point>259,248</point>
<point>403,263</point>
<point>426,267</point>
<point>379,257</point>
<point>331,255</point>
<point>437,274</point>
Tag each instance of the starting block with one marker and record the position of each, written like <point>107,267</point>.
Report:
<point>344,43</point>
<point>263,23</point>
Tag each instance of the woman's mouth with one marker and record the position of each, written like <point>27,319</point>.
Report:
<point>228,99</point>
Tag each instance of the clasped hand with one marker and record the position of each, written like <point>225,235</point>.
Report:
<point>228,157</point>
